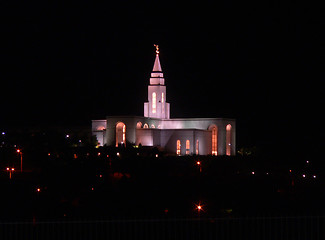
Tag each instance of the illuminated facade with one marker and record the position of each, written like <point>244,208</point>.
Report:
<point>186,136</point>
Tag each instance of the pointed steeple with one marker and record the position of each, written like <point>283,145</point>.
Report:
<point>157,107</point>
<point>157,76</point>
<point>157,66</point>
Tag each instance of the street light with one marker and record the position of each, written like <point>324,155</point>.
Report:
<point>10,170</point>
<point>21,159</point>
<point>199,165</point>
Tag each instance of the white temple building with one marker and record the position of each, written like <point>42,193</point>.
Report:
<point>181,136</point>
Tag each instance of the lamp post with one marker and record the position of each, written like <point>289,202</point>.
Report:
<point>10,170</point>
<point>21,159</point>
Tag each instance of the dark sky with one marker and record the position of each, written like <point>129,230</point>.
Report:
<point>259,62</point>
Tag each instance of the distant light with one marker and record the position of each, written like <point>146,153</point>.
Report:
<point>314,176</point>
<point>67,136</point>
<point>100,175</point>
<point>290,170</point>
<point>98,154</point>
<point>307,161</point>
<point>92,189</point>
<point>199,207</point>
<point>3,133</point>
<point>118,154</point>
<point>38,189</point>
<point>253,173</point>
<point>49,154</point>
<point>80,140</point>
<point>198,163</point>
<point>18,150</point>
<point>303,175</point>
<point>156,155</point>
<point>7,169</point>
<point>267,173</point>
<point>12,169</point>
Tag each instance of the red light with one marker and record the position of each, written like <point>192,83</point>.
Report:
<point>12,169</point>
<point>38,189</point>
<point>199,207</point>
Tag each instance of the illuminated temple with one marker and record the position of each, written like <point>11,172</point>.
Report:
<point>181,136</point>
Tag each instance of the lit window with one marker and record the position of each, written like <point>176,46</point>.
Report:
<point>120,133</point>
<point>187,147</point>
<point>197,147</point>
<point>214,141</point>
<point>145,125</point>
<point>154,102</point>
<point>228,140</point>
<point>153,126</point>
<point>178,147</point>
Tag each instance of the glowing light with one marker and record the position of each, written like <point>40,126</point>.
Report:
<point>253,173</point>
<point>7,169</point>
<point>199,207</point>
<point>178,147</point>
<point>118,154</point>
<point>198,163</point>
<point>38,189</point>
<point>290,170</point>
<point>156,155</point>
<point>67,136</point>
<point>3,133</point>
<point>307,162</point>
<point>12,169</point>
<point>49,154</point>
<point>98,154</point>
<point>154,102</point>
<point>303,175</point>
<point>314,176</point>
<point>18,150</point>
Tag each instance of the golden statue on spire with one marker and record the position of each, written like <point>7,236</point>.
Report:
<point>157,48</point>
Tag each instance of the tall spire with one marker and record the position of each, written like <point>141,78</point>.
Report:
<point>157,66</point>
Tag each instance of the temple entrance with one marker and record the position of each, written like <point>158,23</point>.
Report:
<point>120,134</point>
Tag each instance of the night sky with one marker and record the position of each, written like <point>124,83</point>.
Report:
<point>259,62</point>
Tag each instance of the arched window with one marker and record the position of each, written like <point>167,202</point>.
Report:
<point>154,102</point>
<point>187,147</point>
<point>162,101</point>
<point>178,147</point>
<point>153,126</point>
<point>145,125</point>
<point>139,125</point>
<point>197,147</point>
<point>214,139</point>
<point>228,140</point>
<point>120,133</point>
